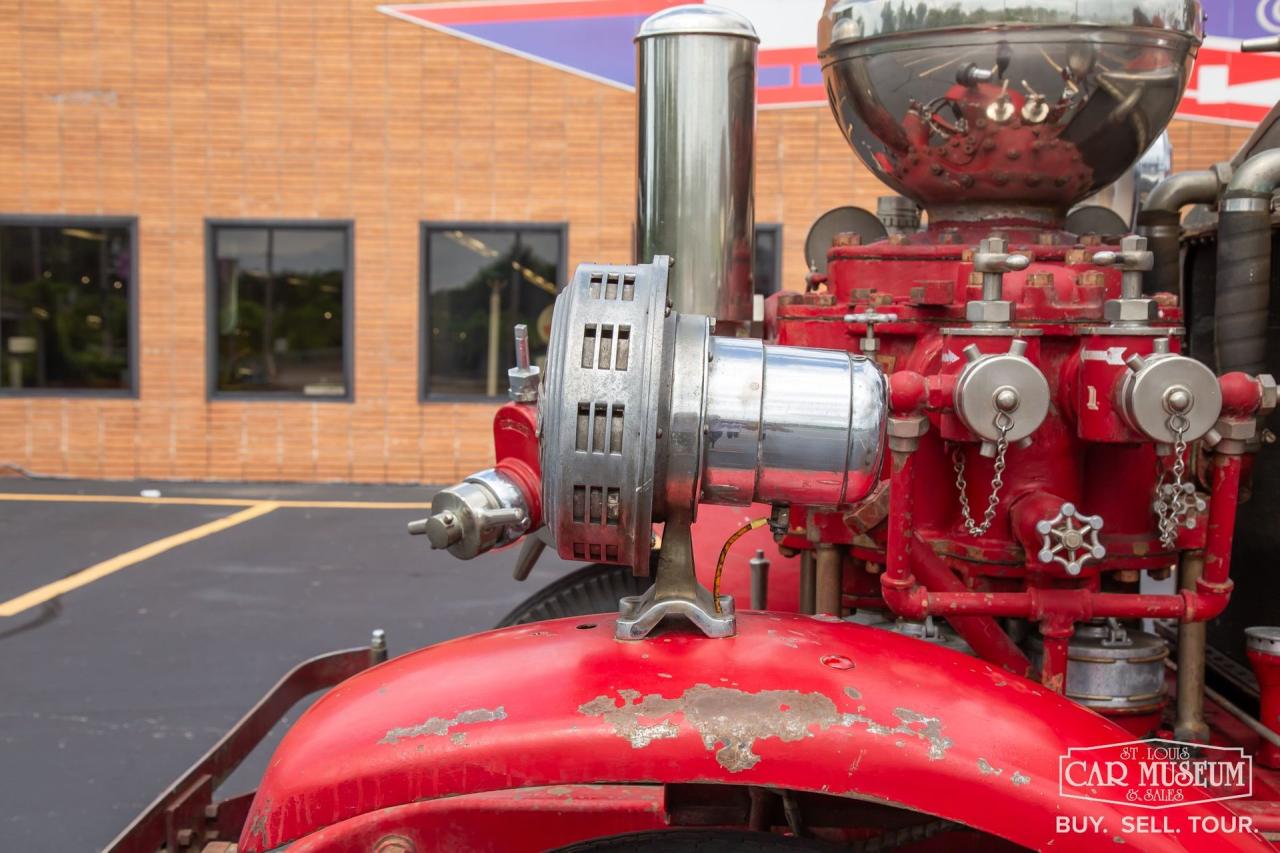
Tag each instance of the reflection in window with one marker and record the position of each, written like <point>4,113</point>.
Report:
<point>480,282</point>
<point>64,305</point>
<point>768,259</point>
<point>281,301</point>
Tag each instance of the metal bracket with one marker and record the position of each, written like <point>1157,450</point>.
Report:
<point>675,592</point>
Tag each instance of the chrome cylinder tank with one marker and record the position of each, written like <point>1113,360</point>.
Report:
<point>987,109</point>
<point>696,96</point>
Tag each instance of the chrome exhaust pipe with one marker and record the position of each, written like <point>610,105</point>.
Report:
<point>695,157</point>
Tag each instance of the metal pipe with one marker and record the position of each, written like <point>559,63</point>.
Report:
<point>829,584</point>
<point>696,99</point>
<point>1224,499</point>
<point>1175,192</point>
<point>1161,223</point>
<point>759,581</point>
<point>1239,713</point>
<point>921,595</point>
<point>808,588</point>
<point>1189,724</point>
<point>983,634</point>
<point>1244,264</point>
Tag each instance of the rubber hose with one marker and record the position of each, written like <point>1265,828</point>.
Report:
<point>1243,290</point>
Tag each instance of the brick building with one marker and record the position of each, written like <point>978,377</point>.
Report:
<point>215,172</point>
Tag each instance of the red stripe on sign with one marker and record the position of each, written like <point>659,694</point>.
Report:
<point>1238,114</point>
<point>783,55</point>
<point>487,13</point>
<point>794,96</point>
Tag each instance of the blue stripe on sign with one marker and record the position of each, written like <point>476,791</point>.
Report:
<point>599,46</point>
<point>774,77</point>
<point>811,74</point>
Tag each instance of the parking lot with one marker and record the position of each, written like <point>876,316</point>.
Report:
<point>134,630</point>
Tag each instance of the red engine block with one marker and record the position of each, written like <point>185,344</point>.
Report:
<point>910,544</point>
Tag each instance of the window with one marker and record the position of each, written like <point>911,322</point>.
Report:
<point>280,309</point>
<point>481,280</point>
<point>768,259</point>
<point>66,304</point>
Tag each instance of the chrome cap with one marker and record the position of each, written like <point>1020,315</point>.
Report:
<point>1264,639</point>
<point>969,105</point>
<point>697,20</point>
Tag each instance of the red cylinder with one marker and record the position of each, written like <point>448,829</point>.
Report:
<point>1264,653</point>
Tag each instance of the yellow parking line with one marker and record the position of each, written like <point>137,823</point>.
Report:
<point>285,504</point>
<point>100,570</point>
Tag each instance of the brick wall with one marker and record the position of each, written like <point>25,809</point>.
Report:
<point>179,111</point>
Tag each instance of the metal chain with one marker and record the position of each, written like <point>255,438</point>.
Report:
<point>1003,423</point>
<point>1171,505</point>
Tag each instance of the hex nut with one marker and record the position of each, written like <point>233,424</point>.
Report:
<point>989,311</point>
<point>911,426</point>
<point>1130,310</point>
<point>1268,383</point>
<point>1238,429</point>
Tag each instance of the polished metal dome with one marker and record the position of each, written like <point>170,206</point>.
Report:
<point>975,107</point>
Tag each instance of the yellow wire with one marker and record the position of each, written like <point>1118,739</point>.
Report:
<point>724,553</point>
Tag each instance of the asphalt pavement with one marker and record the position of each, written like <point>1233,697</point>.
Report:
<point>114,681</point>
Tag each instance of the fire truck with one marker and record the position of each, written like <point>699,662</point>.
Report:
<point>887,557</point>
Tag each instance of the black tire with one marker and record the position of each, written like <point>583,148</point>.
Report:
<point>696,841</point>
<point>589,590</point>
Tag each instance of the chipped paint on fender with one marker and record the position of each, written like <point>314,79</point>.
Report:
<point>441,726</point>
<point>734,720</point>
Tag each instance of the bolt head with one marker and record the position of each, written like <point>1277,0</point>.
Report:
<point>1133,243</point>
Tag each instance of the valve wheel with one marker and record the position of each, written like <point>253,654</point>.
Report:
<point>1070,539</point>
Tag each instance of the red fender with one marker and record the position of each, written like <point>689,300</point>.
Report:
<point>793,701</point>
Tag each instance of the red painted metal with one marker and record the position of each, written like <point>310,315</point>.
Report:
<point>520,820</point>
<point>793,702</point>
<point>1267,668</point>
<point>1084,453</point>
<point>515,444</point>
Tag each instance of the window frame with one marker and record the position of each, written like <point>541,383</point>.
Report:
<point>212,394</point>
<point>425,228</point>
<point>776,229</point>
<point>67,220</point>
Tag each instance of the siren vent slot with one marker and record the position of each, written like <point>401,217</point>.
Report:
<point>622,352</point>
<point>583,439</point>
<point>605,361</point>
<point>598,424</point>
<point>615,429</point>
